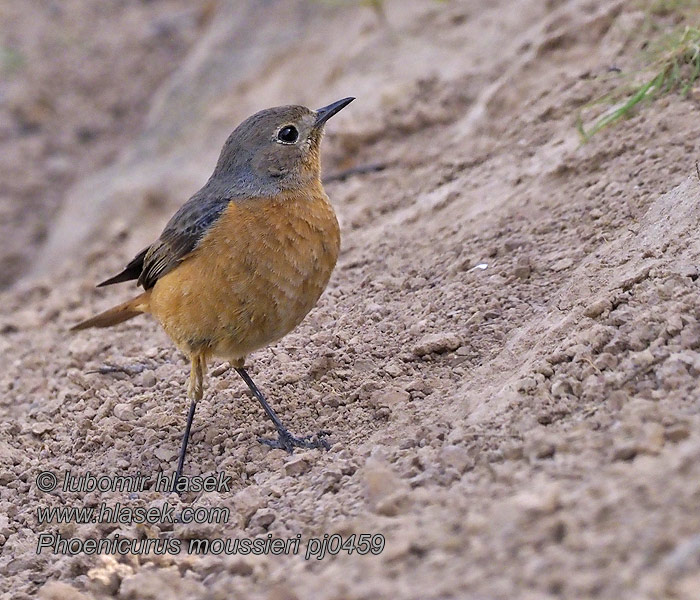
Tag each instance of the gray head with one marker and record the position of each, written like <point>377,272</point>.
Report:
<point>276,149</point>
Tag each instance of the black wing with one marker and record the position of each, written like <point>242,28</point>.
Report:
<point>181,235</point>
<point>132,270</point>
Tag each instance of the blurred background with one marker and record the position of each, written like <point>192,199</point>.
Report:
<point>112,113</point>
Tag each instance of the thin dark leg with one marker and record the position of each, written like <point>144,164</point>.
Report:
<point>285,440</point>
<point>195,390</point>
<point>183,447</point>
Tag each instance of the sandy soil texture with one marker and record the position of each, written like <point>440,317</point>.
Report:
<point>507,355</point>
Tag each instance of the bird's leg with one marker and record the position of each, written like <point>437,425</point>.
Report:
<point>285,440</point>
<point>195,391</point>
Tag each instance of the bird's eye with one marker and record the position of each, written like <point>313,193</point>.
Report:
<point>288,134</point>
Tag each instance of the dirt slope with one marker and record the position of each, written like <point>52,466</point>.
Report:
<point>507,355</point>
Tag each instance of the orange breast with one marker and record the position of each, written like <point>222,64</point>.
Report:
<point>253,278</point>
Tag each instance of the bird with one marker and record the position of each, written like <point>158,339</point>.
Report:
<point>243,261</point>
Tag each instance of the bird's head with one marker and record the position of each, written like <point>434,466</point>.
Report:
<point>277,148</point>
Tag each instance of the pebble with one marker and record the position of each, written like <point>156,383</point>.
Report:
<point>383,489</point>
<point>597,308</point>
<point>220,369</point>
<point>263,517</point>
<point>247,502</point>
<point>152,352</point>
<point>393,369</point>
<point>457,457</point>
<point>390,397</point>
<point>437,343</point>
<point>527,384</point>
<point>560,388</point>
<point>297,465</point>
<point>625,452</point>
<point>543,501</point>
<point>540,448</point>
<point>41,428</point>
<point>165,454</point>
<point>522,269</point>
<point>124,411</point>
<point>677,433</point>
<point>148,378</point>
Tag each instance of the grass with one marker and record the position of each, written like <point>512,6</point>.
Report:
<point>10,60</point>
<point>672,65</point>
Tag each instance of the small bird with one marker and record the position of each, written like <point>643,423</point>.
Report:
<point>243,261</point>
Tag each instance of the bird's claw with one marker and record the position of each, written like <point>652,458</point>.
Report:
<point>287,441</point>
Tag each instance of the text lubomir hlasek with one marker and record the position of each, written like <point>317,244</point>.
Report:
<point>216,482</point>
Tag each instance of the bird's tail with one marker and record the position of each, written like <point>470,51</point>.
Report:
<point>117,314</point>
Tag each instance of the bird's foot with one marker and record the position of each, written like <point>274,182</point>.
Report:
<point>287,441</point>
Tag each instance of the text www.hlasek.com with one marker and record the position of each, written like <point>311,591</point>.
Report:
<point>126,515</point>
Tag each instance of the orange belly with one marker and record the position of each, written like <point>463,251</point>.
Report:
<point>252,279</point>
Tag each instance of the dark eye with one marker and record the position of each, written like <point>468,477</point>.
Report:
<point>288,134</point>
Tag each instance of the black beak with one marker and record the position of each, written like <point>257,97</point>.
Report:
<point>325,113</point>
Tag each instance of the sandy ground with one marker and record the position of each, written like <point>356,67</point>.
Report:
<point>506,357</point>
<point>71,98</point>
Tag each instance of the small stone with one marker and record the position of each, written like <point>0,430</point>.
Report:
<point>382,413</point>
<point>263,517</point>
<point>418,385</point>
<point>597,308</point>
<point>522,269</point>
<point>148,378</point>
<point>124,412</point>
<point>606,361</point>
<point>545,418</point>
<point>513,451</point>
<point>390,397</point>
<point>384,491</point>
<point>643,359</point>
<point>5,525</point>
<point>544,368</point>
<point>165,454</point>
<point>220,369</point>
<point>527,385</point>
<point>457,457</point>
<point>544,450</point>
<point>108,575</point>
<point>41,428</point>
<point>363,365</point>
<point>297,465</point>
<point>332,399</point>
<point>437,343</point>
<point>393,369</point>
<point>625,452</point>
<point>240,566</point>
<point>542,501</point>
<point>677,433</point>
<point>653,438</point>
<point>540,447</point>
<point>247,502</point>
<point>561,388</point>
<point>674,324</point>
